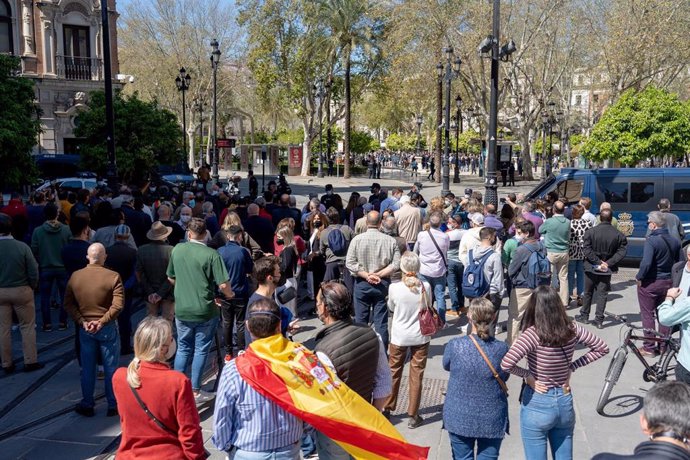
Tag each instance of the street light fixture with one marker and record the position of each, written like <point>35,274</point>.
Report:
<point>182,82</point>
<point>458,130</point>
<point>450,72</point>
<point>549,118</point>
<point>491,44</point>
<point>419,133</point>
<point>199,108</point>
<point>215,59</point>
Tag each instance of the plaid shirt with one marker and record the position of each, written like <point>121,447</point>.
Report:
<point>152,264</point>
<point>371,252</point>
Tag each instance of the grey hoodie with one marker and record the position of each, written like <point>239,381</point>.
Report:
<point>493,268</point>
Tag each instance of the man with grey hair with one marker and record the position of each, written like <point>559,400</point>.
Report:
<point>607,205</point>
<point>665,420</point>
<point>660,253</point>
<point>432,249</point>
<point>389,226</point>
<point>371,259</point>
<point>673,224</point>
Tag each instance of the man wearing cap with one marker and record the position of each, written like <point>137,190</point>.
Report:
<point>152,263</point>
<point>122,259</point>
<point>409,219</point>
<point>196,271</point>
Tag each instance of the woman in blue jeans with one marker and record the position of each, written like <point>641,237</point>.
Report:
<point>475,411</point>
<point>576,254</point>
<point>548,341</point>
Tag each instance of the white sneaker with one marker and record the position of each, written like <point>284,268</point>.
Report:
<point>203,396</point>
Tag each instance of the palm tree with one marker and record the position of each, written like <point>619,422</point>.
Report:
<point>348,30</point>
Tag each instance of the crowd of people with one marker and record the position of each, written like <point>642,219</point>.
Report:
<point>203,260</point>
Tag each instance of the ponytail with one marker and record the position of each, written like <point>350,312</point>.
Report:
<point>133,373</point>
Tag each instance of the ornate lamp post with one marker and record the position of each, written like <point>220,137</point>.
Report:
<point>439,116</point>
<point>549,118</point>
<point>199,108</point>
<point>215,58</point>
<point>452,70</point>
<point>419,133</point>
<point>182,82</point>
<point>458,130</point>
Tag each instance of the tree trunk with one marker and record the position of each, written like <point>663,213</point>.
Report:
<point>525,154</point>
<point>306,150</point>
<point>348,121</point>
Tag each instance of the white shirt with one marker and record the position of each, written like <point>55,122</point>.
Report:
<point>405,303</point>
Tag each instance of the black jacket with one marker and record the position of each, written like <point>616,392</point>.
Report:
<point>661,252</point>
<point>354,351</point>
<point>650,450</point>
<point>262,231</point>
<point>604,243</point>
<point>677,273</point>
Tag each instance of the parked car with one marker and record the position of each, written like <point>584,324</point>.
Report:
<point>71,184</point>
<point>632,192</point>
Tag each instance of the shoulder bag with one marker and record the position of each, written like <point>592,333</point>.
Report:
<point>429,320</point>
<point>491,366</point>
<point>155,419</point>
<point>433,240</point>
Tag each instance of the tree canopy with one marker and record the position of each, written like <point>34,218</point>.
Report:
<point>145,136</point>
<point>19,124</point>
<point>642,125</point>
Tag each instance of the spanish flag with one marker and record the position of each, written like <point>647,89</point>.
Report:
<point>291,376</point>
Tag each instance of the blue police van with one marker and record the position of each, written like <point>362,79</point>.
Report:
<point>632,192</point>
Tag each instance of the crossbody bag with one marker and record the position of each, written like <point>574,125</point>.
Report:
<point>498,378</point>
<point>433,240</point>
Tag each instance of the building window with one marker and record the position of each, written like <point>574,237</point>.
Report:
<point>595,98</point>
<point>6,42</point>
<point>578,100</point>
<point>77,53</point>
<point>580,80</point>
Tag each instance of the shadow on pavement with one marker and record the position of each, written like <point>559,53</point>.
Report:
<point>622,406</point>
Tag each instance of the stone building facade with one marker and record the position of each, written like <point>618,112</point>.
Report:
<point>60,46</point>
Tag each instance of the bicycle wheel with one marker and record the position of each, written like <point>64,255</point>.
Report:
<point>612,375</point>
<point>667,365</point>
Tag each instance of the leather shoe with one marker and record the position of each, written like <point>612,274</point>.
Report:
<point>598,324</point>
<point>85,411</point>
<point>582,319</point>
<point>9,369</point>
<point>33,367</point>
<point>112,412</point>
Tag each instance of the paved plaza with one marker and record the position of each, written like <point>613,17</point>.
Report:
<point>37,421</point>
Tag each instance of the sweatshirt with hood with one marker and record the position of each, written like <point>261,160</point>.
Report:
<point>493,268</point>
<point>47,242</point>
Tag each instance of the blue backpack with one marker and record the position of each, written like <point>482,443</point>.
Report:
<point>474,283</point>
<point>538,268</point>
<point>337,242</point>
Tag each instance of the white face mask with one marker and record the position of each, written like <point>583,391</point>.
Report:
<point>172,348</point>
<point>185,219</point>
<point>519,238</point>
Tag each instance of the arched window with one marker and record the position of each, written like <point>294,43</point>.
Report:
<point>6,43</point>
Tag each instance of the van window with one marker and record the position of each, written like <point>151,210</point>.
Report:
<point>570,190</point>
<point>641,192</point>
<point>615,192</point>
<point>681,193</point>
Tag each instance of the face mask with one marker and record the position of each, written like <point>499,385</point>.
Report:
<point>519,238</point>
<point>214,193</point>
<point>447,202</point>
<point>280,241</point>
<point>317,224</point>
<point>330,192</point>
<point>185,219</point>
<point>172,348</point>
<point>192,203</point>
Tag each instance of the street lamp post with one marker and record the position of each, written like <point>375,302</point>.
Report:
<point>182,82</point>
<point>329,84</point>
<point>549,118</point>
<point>215,59</point>
<point>491,45</point>
<point>111,173</point>
<point>458,130</point>
<point>452,70</point>
<point>199,107</point>
<point>419,134</point>
<point>319,92</point>
<point>439,116</point>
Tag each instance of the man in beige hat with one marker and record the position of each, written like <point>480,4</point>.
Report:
<point>152,263</point>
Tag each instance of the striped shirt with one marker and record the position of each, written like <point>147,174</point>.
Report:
<point>552,365</point>
<point>245,419</point>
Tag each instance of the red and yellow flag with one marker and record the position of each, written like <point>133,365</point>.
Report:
<point>291,376</point>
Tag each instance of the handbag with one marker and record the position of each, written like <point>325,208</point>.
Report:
<point>160,424</point>
<point>429,320</point>
<point>491,366</point>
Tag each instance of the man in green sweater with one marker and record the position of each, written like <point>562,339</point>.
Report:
<point>18,279</point>
<point>46,243</point>
<point>556,233</point>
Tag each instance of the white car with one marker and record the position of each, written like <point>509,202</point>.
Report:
<point>70,183</point>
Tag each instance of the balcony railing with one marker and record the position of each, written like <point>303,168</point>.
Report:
<point>79,68</point>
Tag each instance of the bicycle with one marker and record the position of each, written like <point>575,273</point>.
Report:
<point>657,372</point>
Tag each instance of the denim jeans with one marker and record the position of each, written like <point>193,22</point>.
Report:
<point>372,298</point>
<point>290,452</point>
<point>576,274</point>
<point>107,341</point>
<point>547,418</point>
<point>438,287</point>
<point>194,338</point>
<point>46,280</point>
<point>463,447</point>
<point>455,270</point>
<point>328,449</point>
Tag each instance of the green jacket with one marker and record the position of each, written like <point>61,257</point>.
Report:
<point>556,233</point>
<point>47,242</point>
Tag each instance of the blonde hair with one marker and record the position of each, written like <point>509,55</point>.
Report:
<point>482,315</point>
<point>231,218</point>
<point>409,265</point>
<point>151,336</point>
<point>286,222</point>
<point>436,204</point>
<point>286,234</point>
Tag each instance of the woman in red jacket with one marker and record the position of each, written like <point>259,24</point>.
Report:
<point>175,432</point>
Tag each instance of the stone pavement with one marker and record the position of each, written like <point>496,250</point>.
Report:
<point>36,421</point>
